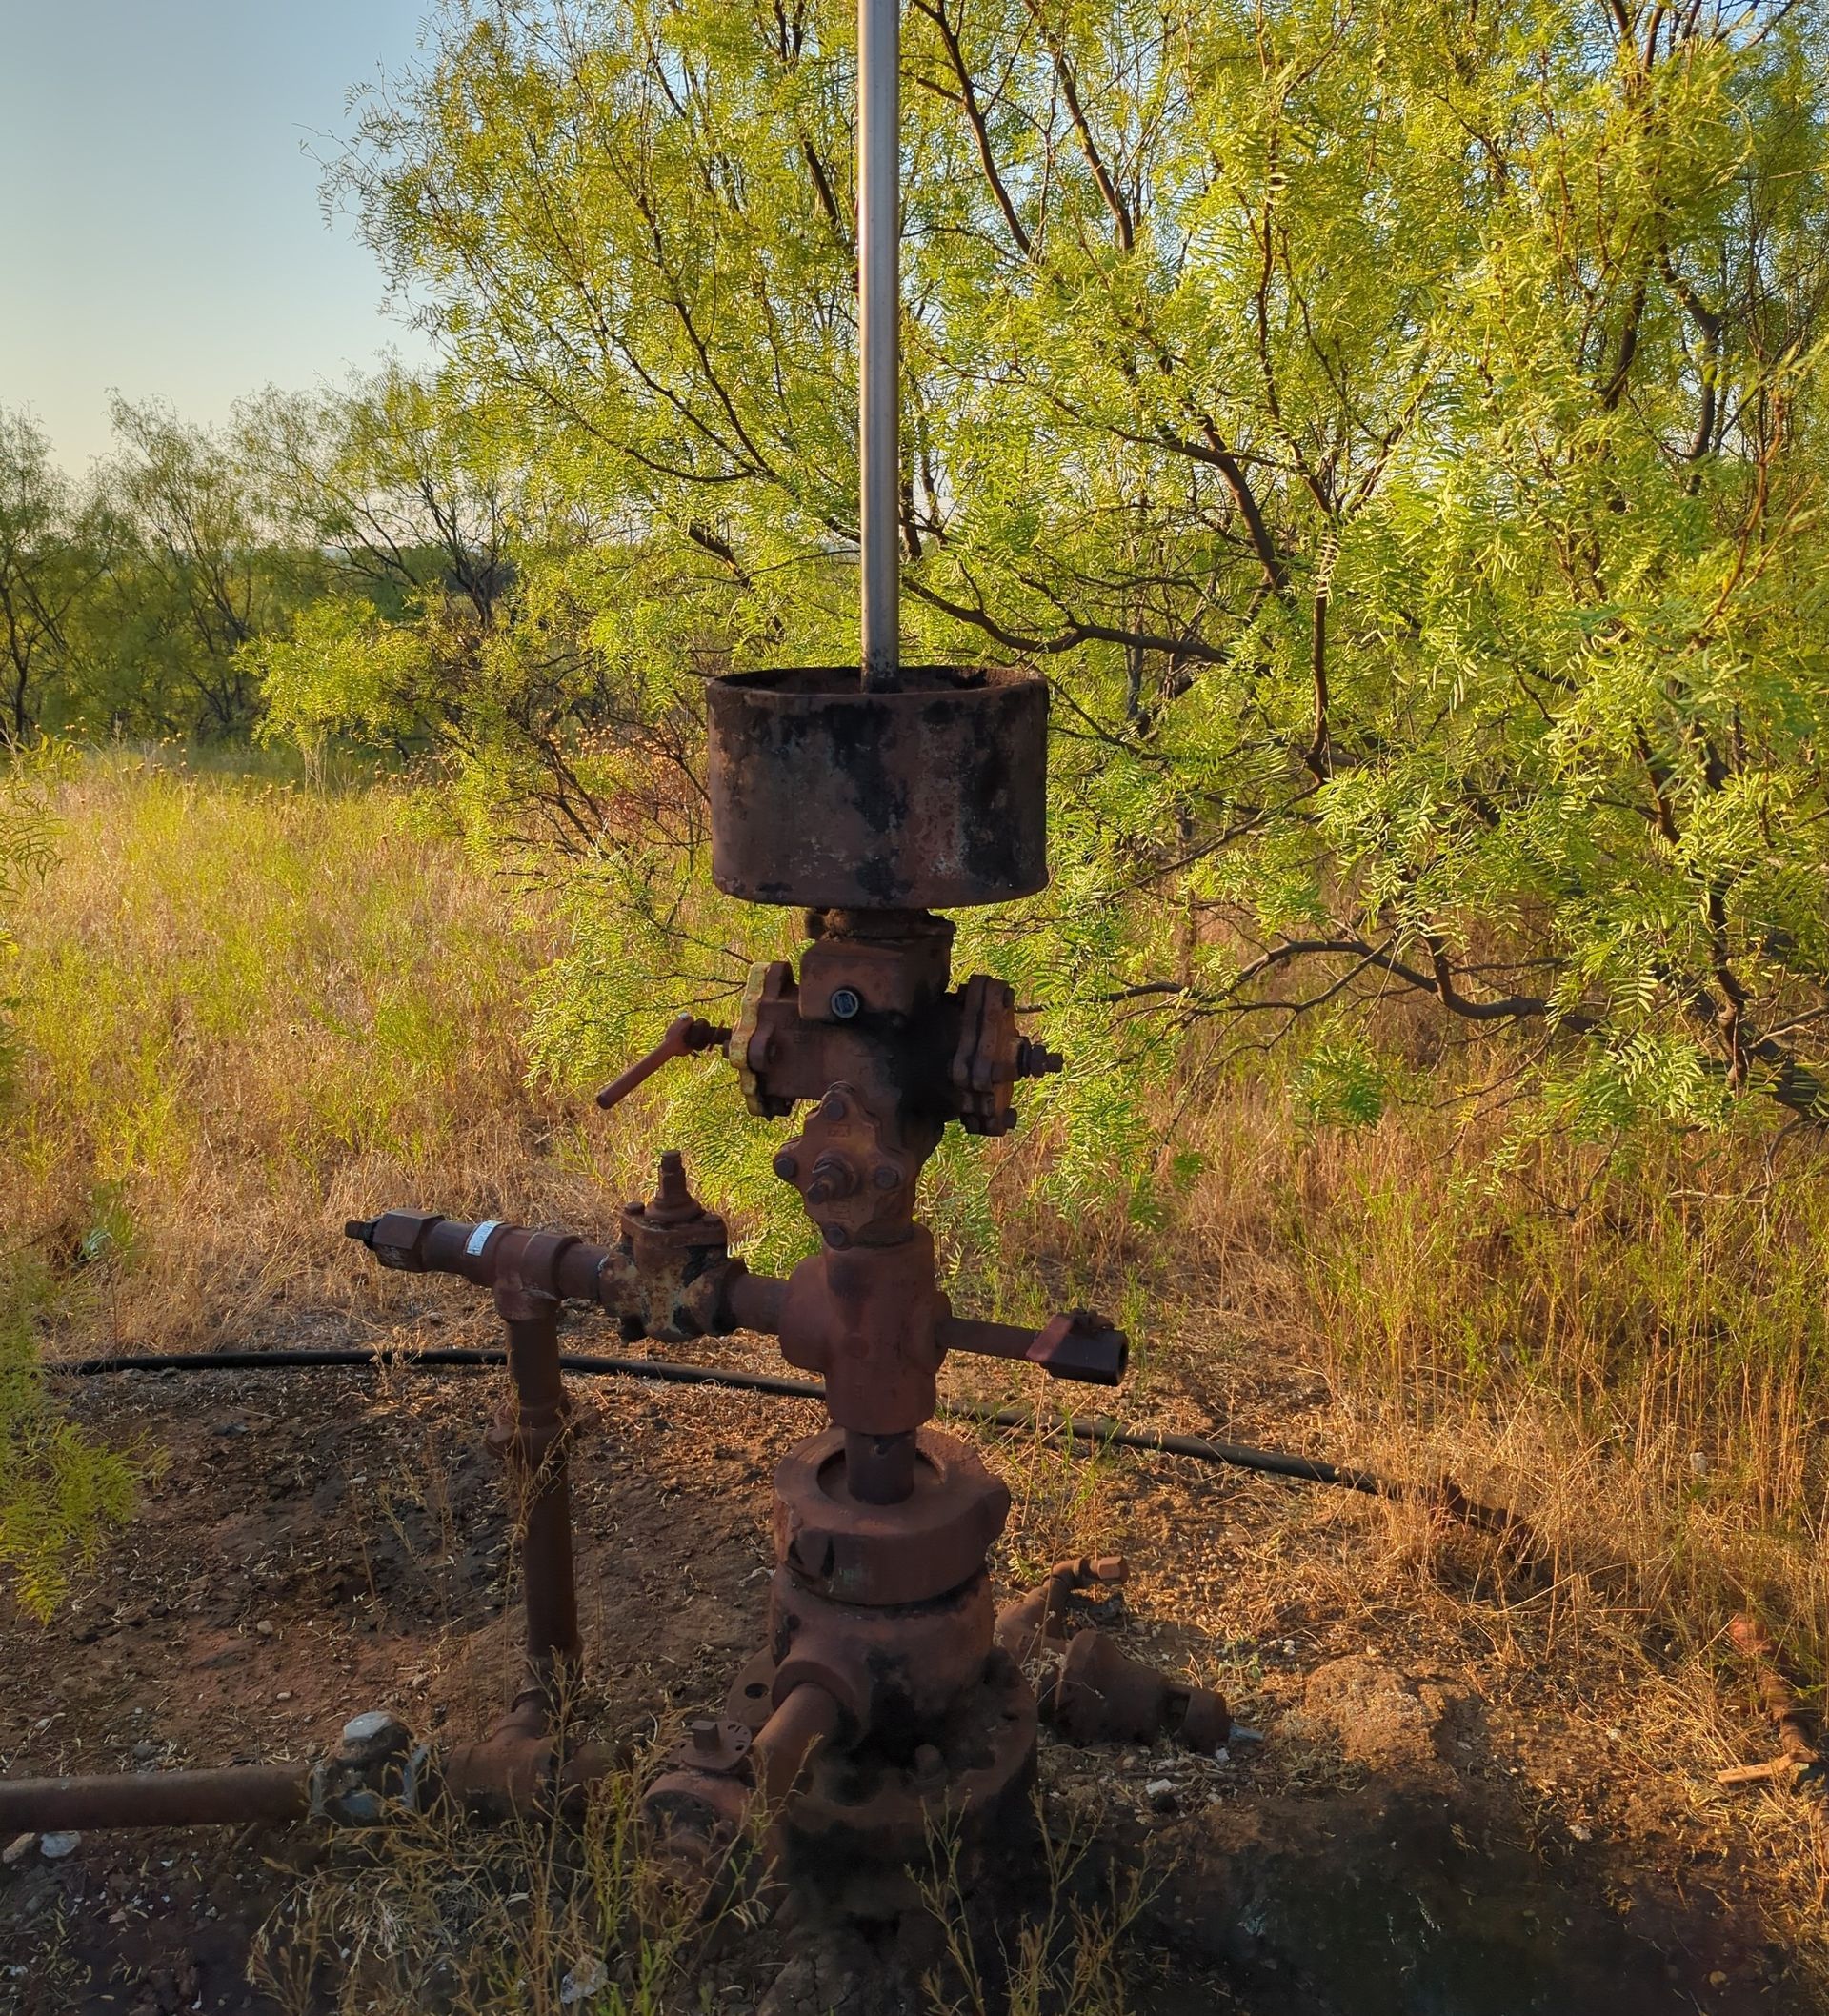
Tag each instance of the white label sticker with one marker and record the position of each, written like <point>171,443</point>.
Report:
<point>479,1239</point>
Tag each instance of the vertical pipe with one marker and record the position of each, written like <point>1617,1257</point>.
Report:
<point>535,1446</point>
<point>879,101</point>
<point>880,1469</point>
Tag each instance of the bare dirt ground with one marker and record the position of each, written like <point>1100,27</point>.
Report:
<point>1481,1793</point>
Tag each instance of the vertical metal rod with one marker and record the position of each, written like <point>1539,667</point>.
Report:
<point>533,1437</point>
<point>879,234</point>
<point>880,1469</point>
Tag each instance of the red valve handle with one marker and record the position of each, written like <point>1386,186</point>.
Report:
<point>685,1033</point>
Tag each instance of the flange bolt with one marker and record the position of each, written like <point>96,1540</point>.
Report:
<point>845,1003</point>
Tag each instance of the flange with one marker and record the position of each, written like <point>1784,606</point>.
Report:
<point>925,1547</point>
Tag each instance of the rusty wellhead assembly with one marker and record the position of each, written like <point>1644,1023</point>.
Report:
<point>890,1698</point>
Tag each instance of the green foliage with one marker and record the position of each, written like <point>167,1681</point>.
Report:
<point>125,602</point>
<point>54,550</point>
<point>1398,436</point>
<point>59,1491</point>
<point>1341,1082</point>
<point>200,578</point>
<point>26,854</point>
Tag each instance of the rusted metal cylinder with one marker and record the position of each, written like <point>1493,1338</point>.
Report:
<point>532,1437</point>
<point>697,1812</point>
<point>754,1302</point>
<point>880,1469</point>
<point>930,797</point>
<point>1068,1347</point>
<point>155,1798</point>
<point>806,1719</point>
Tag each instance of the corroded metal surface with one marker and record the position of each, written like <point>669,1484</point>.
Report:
<point>871,795</point>
<point>155,1798</point>
<point>886,1798</point>
<point>912,1552</point>
<point>930,797</point>
<point>532,1433</point>
<point>685,1035</point>
<point>1089,1687</point>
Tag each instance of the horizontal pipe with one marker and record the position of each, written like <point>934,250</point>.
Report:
<point>983,1339</point>
<point>808,1718</point>
<point>154,1799</point>
<point>754,1302</point>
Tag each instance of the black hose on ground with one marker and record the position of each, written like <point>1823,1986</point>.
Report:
<point>1094,1429</point>
<point>582,1362</point>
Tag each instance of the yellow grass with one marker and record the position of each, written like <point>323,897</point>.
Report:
<point>247,1012</point>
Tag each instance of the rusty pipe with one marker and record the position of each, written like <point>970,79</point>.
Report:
<point>700,1815</point>
<point>531,1435</point>
<point>754,1302</point>
<point>1077,1346</point>
<point>880,1469</point>
<point>155,1798</point>
<point>668,1276</point>
<point>809,1717</point>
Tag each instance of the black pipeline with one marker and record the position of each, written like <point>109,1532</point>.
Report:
<point>1096,1430</point>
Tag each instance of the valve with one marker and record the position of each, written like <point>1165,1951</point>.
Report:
<point>1082,1345</point>
<point>685,1034</point>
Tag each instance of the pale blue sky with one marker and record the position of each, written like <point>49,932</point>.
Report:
<point>159,221</point>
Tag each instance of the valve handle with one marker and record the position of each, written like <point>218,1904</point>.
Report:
<point>685,1034</point>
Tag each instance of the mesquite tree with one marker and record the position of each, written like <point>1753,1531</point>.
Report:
<point>1397,432</point>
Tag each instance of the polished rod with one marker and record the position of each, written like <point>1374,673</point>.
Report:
<point>879,100</point>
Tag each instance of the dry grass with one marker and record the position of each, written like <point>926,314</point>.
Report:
<point>1632,1352</point>
<point>246,1013</point>
<point>438,1914</point>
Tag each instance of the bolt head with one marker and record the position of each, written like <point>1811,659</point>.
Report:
<point>785,1166</point>
<point>845,1003</point>
<point>834,1107</point>
<point>884,1177</point>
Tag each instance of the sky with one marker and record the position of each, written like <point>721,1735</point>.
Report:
<point>161,232</point>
